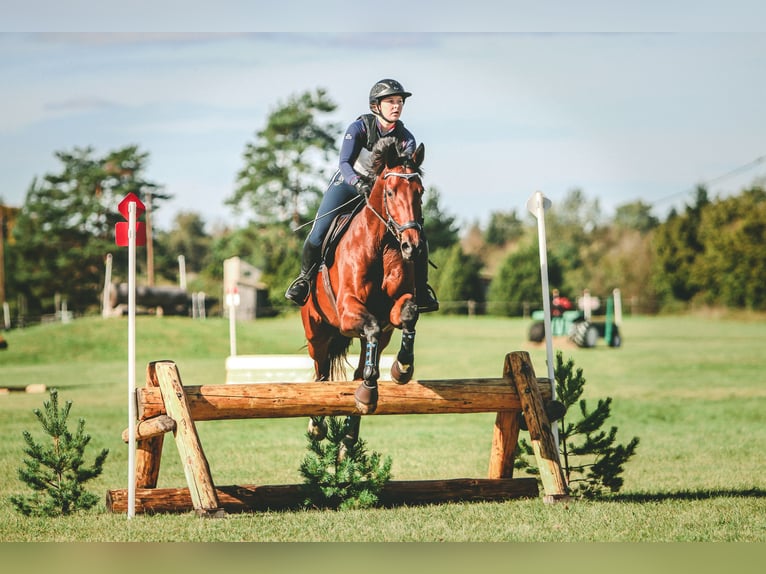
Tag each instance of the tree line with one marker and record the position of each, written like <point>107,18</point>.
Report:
<point>54,245</point>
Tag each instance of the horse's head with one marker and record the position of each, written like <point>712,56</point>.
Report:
<point>397,193</point>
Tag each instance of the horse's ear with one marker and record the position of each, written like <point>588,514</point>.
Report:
<point>419,155</point>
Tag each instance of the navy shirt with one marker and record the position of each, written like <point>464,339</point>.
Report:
<point>355,142</point>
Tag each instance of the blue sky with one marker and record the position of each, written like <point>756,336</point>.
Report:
<point>638,112</point>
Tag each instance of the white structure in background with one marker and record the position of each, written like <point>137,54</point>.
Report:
<point>283,369</point>
<point>245,280</point>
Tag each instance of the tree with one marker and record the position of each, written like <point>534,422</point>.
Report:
<point>188,238</point>
<point>517,281</point>
<point>731,268</point>
<point>273,249</point>
<point>503,228</point>
<point>341,475</point>
<point>440,227</point>
<point>457,278</point>
<point>677,248</point>
<point>283,176</point>
<point>593,466</point>
<point>66,226</point>
<point>637,216</point>
<point>57,473</point>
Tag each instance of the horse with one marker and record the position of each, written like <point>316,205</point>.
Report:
<point>368,288</point>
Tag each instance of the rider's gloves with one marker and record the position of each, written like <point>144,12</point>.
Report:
<point>362,187</point>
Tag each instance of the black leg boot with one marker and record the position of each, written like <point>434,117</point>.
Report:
<point>298,291</point>
<point>425,296</point>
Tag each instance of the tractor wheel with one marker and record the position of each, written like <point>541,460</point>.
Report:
<point>584,334</point>
<point>616,338</point>
<point>537,332</point>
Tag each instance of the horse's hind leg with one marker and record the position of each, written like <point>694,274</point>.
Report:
<point>317,427</point>
<point>404,366</point>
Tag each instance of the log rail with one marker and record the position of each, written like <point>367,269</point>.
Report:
<point>165,405</point>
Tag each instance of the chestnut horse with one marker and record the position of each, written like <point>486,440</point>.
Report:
<point>368,289</point>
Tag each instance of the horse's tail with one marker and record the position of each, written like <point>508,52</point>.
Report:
<point>337,352</point>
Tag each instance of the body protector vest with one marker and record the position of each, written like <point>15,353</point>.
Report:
<point>363,163</point>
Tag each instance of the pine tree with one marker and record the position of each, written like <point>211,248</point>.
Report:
<point>57,473</point>
<point>594,465</point>
<point>341,475</point>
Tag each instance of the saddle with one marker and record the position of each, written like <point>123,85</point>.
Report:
<point>337,228</point>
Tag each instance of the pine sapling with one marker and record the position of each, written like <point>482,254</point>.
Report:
<point>340,475</point>
<point>593,465</point>
<point>57,473</point>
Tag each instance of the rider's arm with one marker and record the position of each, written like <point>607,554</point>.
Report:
<point>353,141</point>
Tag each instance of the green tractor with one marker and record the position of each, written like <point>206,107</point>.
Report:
<point>573,324</point>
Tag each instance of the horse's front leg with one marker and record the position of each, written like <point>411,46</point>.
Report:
<point>405,313</point>
<point>366,395</point>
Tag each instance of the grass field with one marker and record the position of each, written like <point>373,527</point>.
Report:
<point>691,388</point>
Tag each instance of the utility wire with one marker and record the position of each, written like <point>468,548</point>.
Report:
<point>716,179</point>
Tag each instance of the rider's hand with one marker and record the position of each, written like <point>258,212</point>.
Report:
<point>362,187</point>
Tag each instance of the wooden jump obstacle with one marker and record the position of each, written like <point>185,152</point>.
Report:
<point>165,405</point>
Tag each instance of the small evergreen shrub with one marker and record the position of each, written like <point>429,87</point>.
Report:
<point>591,461</point>
<point>57,473</point>
<point>342,476</point>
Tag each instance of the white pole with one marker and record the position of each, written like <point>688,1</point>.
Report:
<point>617,307</point>
<point>107,285</point>
<point>182,272</point>
<point>537,204</point>
<point>131,359</point>
<point>232,300</point>
<point>587,303</point>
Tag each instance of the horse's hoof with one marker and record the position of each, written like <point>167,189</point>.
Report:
<point>401,374</point>
<point>317,428</point>
<point>366,399</point>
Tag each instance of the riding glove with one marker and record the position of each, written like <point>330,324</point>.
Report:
<point>362,187</point>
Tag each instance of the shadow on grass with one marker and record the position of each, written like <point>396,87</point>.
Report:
<point>688,495</point>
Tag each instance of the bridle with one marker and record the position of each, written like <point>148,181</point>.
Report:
<point>394,227</point>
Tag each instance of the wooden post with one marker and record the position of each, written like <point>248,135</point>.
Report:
<point>149,450</point>
<point>195,464</point>
<point>505,437</point>
<point>519,368</point>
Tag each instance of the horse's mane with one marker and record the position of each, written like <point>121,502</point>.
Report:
<point>381,151</point>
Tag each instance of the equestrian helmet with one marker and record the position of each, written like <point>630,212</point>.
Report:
<point>386,88</point>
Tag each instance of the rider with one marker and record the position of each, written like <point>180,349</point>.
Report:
<point>353,177</point>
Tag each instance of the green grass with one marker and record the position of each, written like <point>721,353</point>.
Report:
<point>691,388</point>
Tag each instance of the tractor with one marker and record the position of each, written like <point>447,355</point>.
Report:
<point>572,323</point>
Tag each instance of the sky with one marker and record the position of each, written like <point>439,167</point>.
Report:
<point>624,107</point>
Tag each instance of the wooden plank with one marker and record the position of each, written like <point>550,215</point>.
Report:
<point>281,400</point>
<point>520,370</point>
<point>195,464</point>
<point>248,497</point>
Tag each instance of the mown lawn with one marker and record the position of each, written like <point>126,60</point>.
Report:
<point>691,388</point>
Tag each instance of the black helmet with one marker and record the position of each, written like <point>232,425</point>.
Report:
<point>386,88</point>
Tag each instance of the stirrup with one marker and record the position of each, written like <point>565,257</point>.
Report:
<point>429,301</point>
<point>298,291</point>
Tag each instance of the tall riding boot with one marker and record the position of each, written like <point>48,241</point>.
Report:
<point>298,291</point>
<point>425,296</point>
